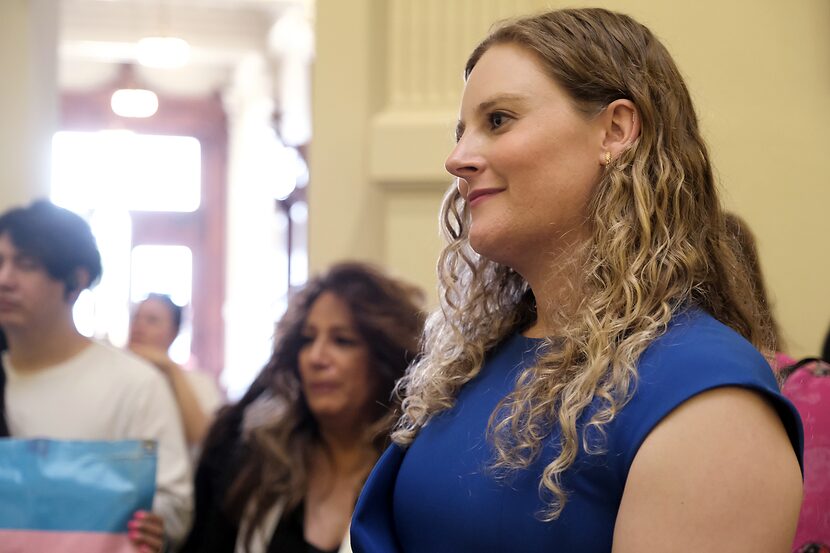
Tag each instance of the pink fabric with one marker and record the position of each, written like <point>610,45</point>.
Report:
<point>811,396</point>
<point>782,360</point>
<point>37,541</point>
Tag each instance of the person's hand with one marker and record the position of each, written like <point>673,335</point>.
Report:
<point>155,356</point>
<point>146,532</point>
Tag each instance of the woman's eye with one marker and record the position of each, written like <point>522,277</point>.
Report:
<point>343,341</point>
<point>497,119</point>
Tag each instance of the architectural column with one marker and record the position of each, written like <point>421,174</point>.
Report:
<point>256,253</point>
<point>345,206</point>
<point>28,98</point>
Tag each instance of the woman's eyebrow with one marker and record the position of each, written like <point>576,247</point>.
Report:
<point>488,104</point>
<point>333,328</point>
<point>506,97</point>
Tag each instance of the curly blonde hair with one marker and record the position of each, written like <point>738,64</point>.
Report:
<point>657,246</point>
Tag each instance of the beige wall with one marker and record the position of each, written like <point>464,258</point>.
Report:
<point>28,30</point>
<point>387,84</point>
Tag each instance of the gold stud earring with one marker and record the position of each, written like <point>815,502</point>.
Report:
<point>607,158</point>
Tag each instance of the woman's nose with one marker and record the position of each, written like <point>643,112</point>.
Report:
<point>317,351</point>
<point>461,162</point>
<point>464,164</point>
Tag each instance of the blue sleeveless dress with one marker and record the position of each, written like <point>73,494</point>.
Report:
<point>438,495</point>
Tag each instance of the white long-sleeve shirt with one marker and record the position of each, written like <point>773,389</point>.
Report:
<point>103,393</point>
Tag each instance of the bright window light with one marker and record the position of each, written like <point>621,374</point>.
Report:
<point>103,312</point>
<point>134,102</point>
<point>167,52</point>
<point>125,170</point>
<point>162,270</point>
<point>83,312</point>
<point>165,270</point>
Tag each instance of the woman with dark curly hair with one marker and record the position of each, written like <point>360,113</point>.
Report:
<point>589,382</point>
<point>282,468</point>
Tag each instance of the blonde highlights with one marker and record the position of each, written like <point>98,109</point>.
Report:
<point>657,246</point>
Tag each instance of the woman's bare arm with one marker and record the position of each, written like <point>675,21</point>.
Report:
<point>718,474</point>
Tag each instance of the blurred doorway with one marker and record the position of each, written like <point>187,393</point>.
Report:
<point>154,192</point>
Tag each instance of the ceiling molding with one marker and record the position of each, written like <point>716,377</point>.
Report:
<point>220,32</point>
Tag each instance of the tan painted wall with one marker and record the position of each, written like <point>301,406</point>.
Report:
<point>28,31</point>
<point>759,72</point>
<point>387,84</point>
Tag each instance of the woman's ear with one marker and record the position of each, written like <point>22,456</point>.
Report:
<point>621,123</point>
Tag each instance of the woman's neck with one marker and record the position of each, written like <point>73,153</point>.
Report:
<point>554,279</point>
<point>348,452</point>
<point>554,299</point>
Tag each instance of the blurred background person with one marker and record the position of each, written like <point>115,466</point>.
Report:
<point>62,385</point>
<point>154,326</point>
<point>807,390</point>
<point>282,468</point>
<point>746,248</point>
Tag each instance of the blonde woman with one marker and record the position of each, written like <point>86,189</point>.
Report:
<point>589,383</point>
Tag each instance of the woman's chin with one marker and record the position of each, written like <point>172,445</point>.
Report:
<point>328,410</point>
<point>490,247</point>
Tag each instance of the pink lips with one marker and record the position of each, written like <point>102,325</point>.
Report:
<point>475,197</point>
<point>323,387</point>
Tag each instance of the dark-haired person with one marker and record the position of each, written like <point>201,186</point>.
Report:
<point>589,383</point>
<point>281,469</point>
<point>154,326</point>
<point>746,247</point>
<point>60,384</point>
